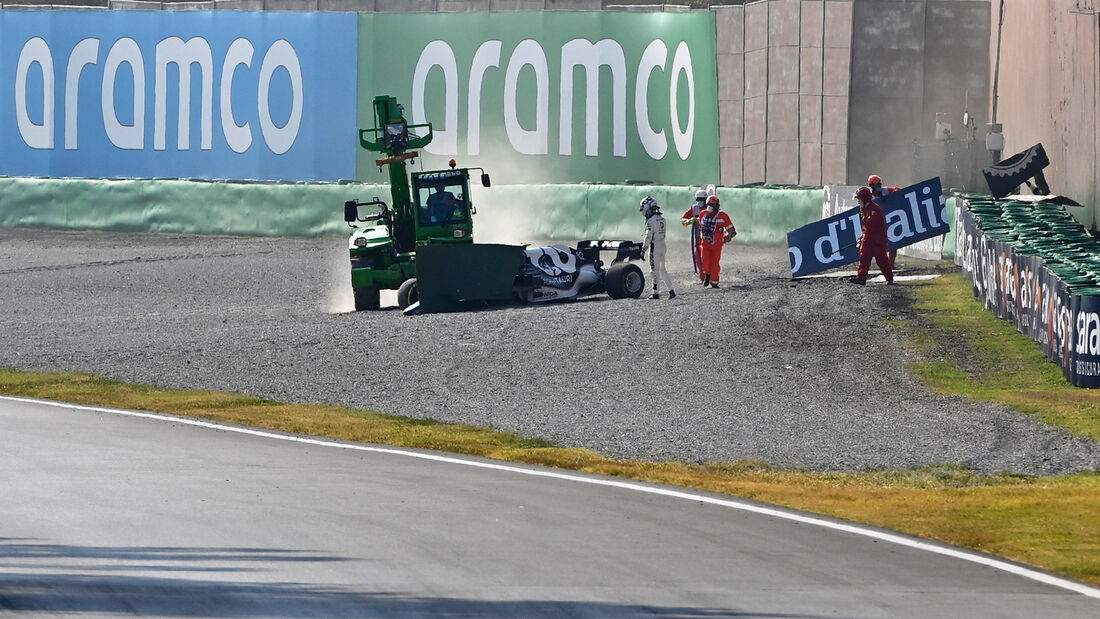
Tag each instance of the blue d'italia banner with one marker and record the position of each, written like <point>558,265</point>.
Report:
<point>913,214</point>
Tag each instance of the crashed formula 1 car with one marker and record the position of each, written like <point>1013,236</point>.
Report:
<point>556,272</point>
<point>453,277</point>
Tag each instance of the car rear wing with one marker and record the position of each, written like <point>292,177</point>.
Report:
<point>624,250</point>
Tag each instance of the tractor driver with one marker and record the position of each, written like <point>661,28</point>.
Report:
<point>443,206</point>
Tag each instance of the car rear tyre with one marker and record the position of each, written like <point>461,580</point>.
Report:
<point>407,294</point>
<point>624,280</point>
<point>366,298</point>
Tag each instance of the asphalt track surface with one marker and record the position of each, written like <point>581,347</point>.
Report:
<point>805,374</point>
<point>108,514</point>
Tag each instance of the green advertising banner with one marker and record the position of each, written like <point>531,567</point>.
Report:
<point>550,97</point>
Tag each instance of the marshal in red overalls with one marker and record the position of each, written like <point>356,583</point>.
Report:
<point>715,230</point>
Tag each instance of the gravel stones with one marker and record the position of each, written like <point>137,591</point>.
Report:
<point>801,374</point>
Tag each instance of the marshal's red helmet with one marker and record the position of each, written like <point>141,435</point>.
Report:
<point>863,194</point>
<point>712,200</point>
<point>875,178</point>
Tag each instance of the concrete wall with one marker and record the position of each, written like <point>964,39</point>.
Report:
<point>831,91</point>
<point>1048,91</point>
<point>913,62</point>
<point>783,91</point>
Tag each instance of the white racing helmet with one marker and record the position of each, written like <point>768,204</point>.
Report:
<point>649,207</point>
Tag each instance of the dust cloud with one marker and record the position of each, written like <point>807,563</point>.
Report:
<point>339,298</point>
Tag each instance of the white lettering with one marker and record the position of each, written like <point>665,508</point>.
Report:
<point>1026,292</point>
<point>169,51</point>
<point>911,198</point>
<point>1082,346</point>
<point>174,50</point>
<point>989,267</point>
<point>857,226</point>
<point>681,63</point>
<point>967,243</point>
<point>129,137</point>
<point>930,208</point>
<point>591,56</point>
<point>534,141</point>
<point>796,258</point>
<point>1087,368</point>
<point>438,54</point>
<point>653,142</point>
<point>35,51</point>
<point>1092,329</point>
<point>897,225</point>
<point>488,55</point>
<point>1065,335</point>
<point>281,54</point>
<point>832,240</point>
<point>238,137</point>
<point>84,53</point>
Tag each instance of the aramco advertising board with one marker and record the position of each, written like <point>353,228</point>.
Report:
<point>551,97</point>
<point>536,97</point>
<point>148,94</point>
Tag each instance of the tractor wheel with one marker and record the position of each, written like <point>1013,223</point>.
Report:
<point>407,294</point>
<point>366,298</point>
<point>624,280</point>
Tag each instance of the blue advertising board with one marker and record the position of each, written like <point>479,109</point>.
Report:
<point>1021,289</point>
<point>177,94</point>
<point>913,214</point>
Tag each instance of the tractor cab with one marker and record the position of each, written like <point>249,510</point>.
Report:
<point>441,205</point>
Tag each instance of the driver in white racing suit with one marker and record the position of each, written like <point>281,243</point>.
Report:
<point>654,243</point>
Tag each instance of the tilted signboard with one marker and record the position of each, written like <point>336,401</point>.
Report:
<point>135,94</point>
<point>913,214</point>
<point>551,96</point>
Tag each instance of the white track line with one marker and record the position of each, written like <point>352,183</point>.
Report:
<point>900,540</point>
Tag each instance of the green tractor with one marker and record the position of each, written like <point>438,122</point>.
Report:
<point>422,245</point>
<point>435,210</point>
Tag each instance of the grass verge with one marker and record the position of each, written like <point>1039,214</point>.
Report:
<point>970,352</point>
<point>1047,522</point>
